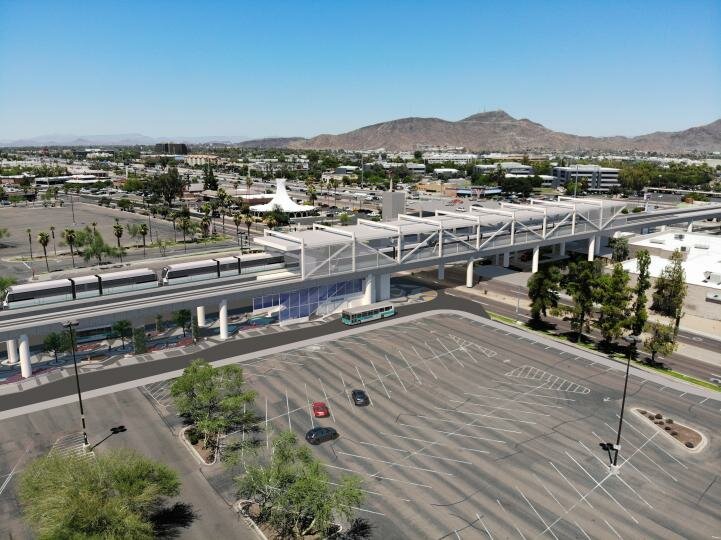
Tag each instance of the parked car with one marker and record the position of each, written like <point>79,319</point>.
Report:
<point>360,398</point>
<point>321,434</point>
<point>320,409</point>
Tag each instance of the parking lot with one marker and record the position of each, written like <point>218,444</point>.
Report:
<point>474,432</point>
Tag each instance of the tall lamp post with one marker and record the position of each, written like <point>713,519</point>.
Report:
<point>632,340</point>
<point>70,326</point>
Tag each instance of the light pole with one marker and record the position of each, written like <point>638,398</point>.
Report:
<point>632,349</point>
<point>70,325</point>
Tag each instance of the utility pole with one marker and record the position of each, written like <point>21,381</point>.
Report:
<point>70,325</point>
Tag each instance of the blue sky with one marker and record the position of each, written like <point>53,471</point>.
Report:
<point>165,68</point>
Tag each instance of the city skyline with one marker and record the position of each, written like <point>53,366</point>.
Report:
<point>292,70</point>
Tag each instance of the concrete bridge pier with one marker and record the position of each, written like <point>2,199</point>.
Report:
<point>469,273</point>
<point>12,347</point>
<point>441,271</point>
<point>223,319</point>
<point>369,292</point>
<point>200,315</point>
<point>26,369</point>
<point>591,248</point>
<point>506,259</point>
<point>536,257</point>
<point>384,287</point>
<point>562,249</point>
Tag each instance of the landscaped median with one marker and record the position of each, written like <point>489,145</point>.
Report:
<point>593,347</point>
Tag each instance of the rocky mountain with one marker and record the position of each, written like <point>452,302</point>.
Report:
<point>497,130</point>
<point>271,142</point>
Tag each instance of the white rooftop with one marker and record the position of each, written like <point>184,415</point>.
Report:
<point>282,200</point>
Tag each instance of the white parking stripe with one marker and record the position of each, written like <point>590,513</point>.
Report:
<point>497,408</point>
<point>510,520</point>
<point>393,463</point>
<point>381,477</point>
<point>486,415</point>
<point>515,401</point>
<point>380,379</point>
<point>535,512</point>
<point>397,376</point>
<point>453,433</point>
<point>435,443</point>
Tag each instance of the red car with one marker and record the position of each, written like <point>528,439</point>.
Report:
<point>320,409</point>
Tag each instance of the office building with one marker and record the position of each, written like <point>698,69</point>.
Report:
<point>598,179</point>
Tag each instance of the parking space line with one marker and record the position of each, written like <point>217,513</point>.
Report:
<point>572,486</point>
<point>380,379</point>
<point>634,466</point>
<point>536,512</point>
<point>486,415</point>
<point>614,530</point>
<point>599,484</point>
<point>448,351</point>
<point>364,385</point>
<point>394,371</point>
<point>469,424</point>
<point>428,367</point>
<point>327,399</point>
<point>405,451</point>
<point>366,510</point>
<point>524,393</point>
<point>617,476</point>
<point>515,401</point>
<point>345,391</point>
<point>436,356</point>
<point>497,408</point>
<point>581,529</point>
<point>510,520</point>
<point>543,485</point>
<point>436,443</point>
<point>393,463</point>
<point>381,477</point>
<point>453,433</point>
<point>639,450</point>
<point>287,405</point>
<point>310,409</point>
<point>409,367</point>
<point>484,526</point>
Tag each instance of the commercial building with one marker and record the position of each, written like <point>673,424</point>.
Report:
<point>447,157</point>
<point>508,167</point>
<point>347,170</point>
<point>171,148</point>
<point>599,179</point>
<point>201,159</point>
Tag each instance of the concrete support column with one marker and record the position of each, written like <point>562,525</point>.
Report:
<point>536,256</point>
<point>690,227</point>
<point>562,249</point>
<point>591,247</point>
<point>662,228</point>
<point>498,259</point>
<point>441,271</point>
<point>506,259</point>
<point>12,346</point>
<point>469,273</point>
<point>223,319</point>
<point>384,292</point>
<point>200,315</point>
<point>599,241</point>
<point>26,369</point>
<point>369,293</point>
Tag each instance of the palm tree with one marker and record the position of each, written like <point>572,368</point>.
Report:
<point>118,232</point>
<point>270,221</point>
<point>248,182</point>
<point>52,233</point>
<point>205,224</point>
<point>186,226</point>
<point>248,220</point>
<point>333,182</point>
<point>44,240</point>
<point>237,219</point>
<point>30,242</point>
<point>222,206</point>
<point>143,231</point>
<point>69,235</point>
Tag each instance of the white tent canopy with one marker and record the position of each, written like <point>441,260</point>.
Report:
<point>283,201</point>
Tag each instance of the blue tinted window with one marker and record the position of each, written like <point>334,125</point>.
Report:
<point>303,296</point>
<point>284,298</point>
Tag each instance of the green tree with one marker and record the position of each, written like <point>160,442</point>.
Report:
<point>182,319</point>
<point>643,282</point>
<point>580,283</point>
<point>69,235</point>
<point>54,343</point>
<point>140,344</point>
<point>620,249</point>
<point>237,221</point>
<point>167,186</point>
<point>30,242</point>
<point>187,227</point>
<point>124,329</point>
<point>294,492</point>
<point>670,290</point>
<point>344,218</point>
<point>661,340</point>
<point>158,323</point>
<point>543,291</point>
<point>5,282</point>
<point>614,295</point>
<point>209,180</point>
<point>113,496</point>
<point>248,183</point>
<point>94,247</point>
<point>213,399</point>
<point>44,240</point>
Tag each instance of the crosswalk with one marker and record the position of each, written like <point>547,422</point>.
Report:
<point>554,382</point>
<point>71,445</point>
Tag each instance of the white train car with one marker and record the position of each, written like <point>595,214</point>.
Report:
<point>220,267</point>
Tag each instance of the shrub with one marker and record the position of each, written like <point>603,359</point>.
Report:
<point>193,436</point>
<point>658,416</point>
<point>669,420</point>
<point>689,444</point>
<point>650,417</point>
<point>667,428</point>
<point>641,411</point>
<point>674,433</point>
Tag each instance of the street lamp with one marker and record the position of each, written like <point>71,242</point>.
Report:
<point>632,340</point>
<point>70,325</point>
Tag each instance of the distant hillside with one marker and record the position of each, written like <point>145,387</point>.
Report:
<point>271,142</point>
<point>498,130</point>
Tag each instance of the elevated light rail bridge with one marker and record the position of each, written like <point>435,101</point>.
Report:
<point>363,257</point>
